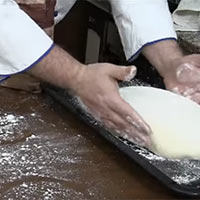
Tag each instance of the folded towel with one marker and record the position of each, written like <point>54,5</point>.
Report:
<point>187,16</point>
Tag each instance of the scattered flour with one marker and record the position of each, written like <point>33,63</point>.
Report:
<point>10,126</point>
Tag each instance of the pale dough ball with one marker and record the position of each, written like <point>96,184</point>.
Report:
<point>174,120</point>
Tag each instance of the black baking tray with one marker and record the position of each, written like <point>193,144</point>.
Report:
<point>180,176</point>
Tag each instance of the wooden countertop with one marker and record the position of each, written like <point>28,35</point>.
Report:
<point>47,152</point>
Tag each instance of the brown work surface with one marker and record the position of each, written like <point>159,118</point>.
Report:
<point>47,153</point>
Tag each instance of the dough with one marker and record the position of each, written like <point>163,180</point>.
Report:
<point>174,120</point>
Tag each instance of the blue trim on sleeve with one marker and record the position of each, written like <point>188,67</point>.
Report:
<point>147,44</point>
<point>36,62</point>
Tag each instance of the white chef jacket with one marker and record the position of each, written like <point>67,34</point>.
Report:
<point>140,23</point>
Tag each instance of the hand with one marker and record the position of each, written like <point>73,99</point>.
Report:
<point>183,77</point>
<point>98,89</point>
<point>181,73</point>
<point>96,86</point>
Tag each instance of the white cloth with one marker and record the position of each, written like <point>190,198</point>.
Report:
<point>22,42</point>
<point>140,22</point>
<point>187,16</point>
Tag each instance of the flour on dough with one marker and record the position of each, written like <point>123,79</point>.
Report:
<point>174,120</point>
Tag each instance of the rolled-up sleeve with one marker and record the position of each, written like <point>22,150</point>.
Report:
<point>22,42</point>
<point>141,23</point>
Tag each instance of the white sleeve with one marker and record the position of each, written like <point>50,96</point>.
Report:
<point>141,23</point>
<point>22,42</point>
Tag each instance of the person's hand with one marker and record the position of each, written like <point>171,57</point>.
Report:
<point>98,90</point>
<point>183,77</point>
<point>181,73</point>
<point>96,86</point>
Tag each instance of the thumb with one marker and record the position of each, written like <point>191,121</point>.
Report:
<point>123,73</point>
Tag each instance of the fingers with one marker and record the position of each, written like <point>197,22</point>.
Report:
<point>193,93</point>
<point>123,109</point>
<point>130,122</point>
<point>188,73</point>
<point>195,97</point>
<point>122,122</point>
<point>123,73</point>
<point>123,128</point>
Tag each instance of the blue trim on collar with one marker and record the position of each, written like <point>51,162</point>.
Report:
<point>147,44</point>
<point>36,62</point>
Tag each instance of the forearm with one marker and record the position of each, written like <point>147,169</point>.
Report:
<point>162,54</point>
<point>141,22</point>
<point>58,68</point>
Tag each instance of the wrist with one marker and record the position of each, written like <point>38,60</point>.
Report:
<point>75,82</point>
<point>59,68</point>
<point>162,55</point>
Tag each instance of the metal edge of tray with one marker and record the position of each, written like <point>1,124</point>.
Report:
<point>180,189</point>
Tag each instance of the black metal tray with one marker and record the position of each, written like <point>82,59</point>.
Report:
<point>180,176</point>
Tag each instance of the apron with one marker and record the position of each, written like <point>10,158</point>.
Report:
<point>42,12</point>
